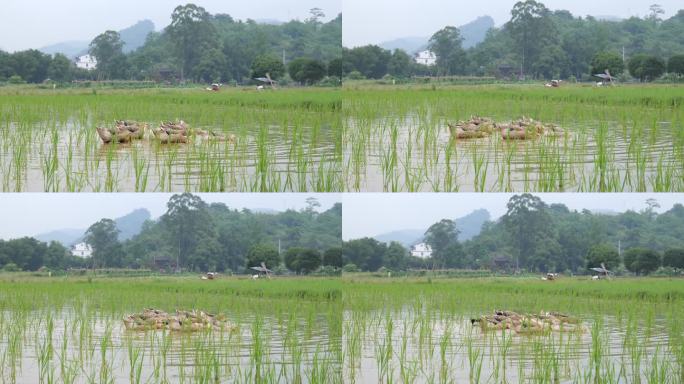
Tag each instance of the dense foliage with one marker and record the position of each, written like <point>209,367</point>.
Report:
<point>539,43</point>
<point>196,46</point>
<point>202,237</point>
<point>534,236</point>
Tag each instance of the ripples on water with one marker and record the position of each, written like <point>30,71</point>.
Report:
<point>419,339</point>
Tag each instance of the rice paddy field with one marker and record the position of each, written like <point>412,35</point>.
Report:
<point>285,140</point>
<point>419,331</point>
<point>627,138</point>
<point>57,330</point>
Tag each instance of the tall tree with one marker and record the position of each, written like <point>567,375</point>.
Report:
<point>108,50</point>
<point>103,237</point>
<point>610,61</point>
<point>333,257</point>
<point>447,46</point>
<point>646,67</point>
<point>269,65</point>
<point>527,222</point>
<point>60,69</point>
<point>262,253</point>
<point>532,28</point>
<point>442,237</point>
<point>396,256</point>
<point>191,32</point>
<point>605,254</point>
<point>189,224</point>
<point>400,64</point>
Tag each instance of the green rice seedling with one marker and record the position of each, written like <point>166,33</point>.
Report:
<point>49,140</point>
<point>622,334</point>
<point>609,141</point>
<point>92,344</point>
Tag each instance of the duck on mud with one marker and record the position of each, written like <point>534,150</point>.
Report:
<point>528,324</point>
<point>520,129</point>
<point>108,137</point>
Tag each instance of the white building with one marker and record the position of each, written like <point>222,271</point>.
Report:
<point>82,250</point>
<point>87,62</point>
<point>426,57</point>
<point>421,250</point>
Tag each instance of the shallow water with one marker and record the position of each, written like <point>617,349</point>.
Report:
<point>99,349</point>
<point>78,161</point>
<point>432,347</point>
<point>416,153</point>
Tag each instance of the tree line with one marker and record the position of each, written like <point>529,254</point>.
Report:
<point>536,237</point>
<point>200,47</point>
<point>195,236</point>
<point>539,43</point>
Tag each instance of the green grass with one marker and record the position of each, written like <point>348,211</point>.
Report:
<point>288,330</point>
<point>624,138</point>
<point>287,140</point>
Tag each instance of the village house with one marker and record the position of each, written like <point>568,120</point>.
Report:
<point>421,250</point>
<point>86,62</point>
<point>82,250</point>
<point>426,57</point>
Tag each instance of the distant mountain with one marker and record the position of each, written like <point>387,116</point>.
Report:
<point>67,237</point>
<point>473,33</point>
<point>469,226</point>
<point>70,49</point>
<point>606,212</point>
<point>129,226</point>
<point>269,21</point>
<point>608,18</point>
<point>406,237</point>
<point>265,211</point>
<point>411,45</point>
<point>134,37</point>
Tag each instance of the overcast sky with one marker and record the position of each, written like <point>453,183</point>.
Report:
<point>371,214</point>
<point>375,21</point>
<point>28,214</point>
<point>28,24</point>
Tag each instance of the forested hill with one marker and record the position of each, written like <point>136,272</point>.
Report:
<point>473,33</point>
<point>537,237</point>
<point>541,43</point>
<point>133,38</point>
<point>204,237</point>
<point>197,46</point>
<point>128,226</point>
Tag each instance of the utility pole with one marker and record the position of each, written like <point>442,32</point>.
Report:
<point>623,53</point>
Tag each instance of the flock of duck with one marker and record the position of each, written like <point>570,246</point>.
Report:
<point>522,129</point>
<point>167,133</point>
<point>186,321</point>
<point>529,323</point>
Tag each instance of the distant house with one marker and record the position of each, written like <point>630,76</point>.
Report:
<point>426,57</point>
<point>82,250</point>
<point>501,263</point>
<point>163,264</point>
<point>421,250</point>
<point>506,71</point>
<point>86,62</point>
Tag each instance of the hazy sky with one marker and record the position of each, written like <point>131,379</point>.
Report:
<point>28,214</point>
<point>28,24</point>
<point>372,214</point>
<point>375,21</point>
